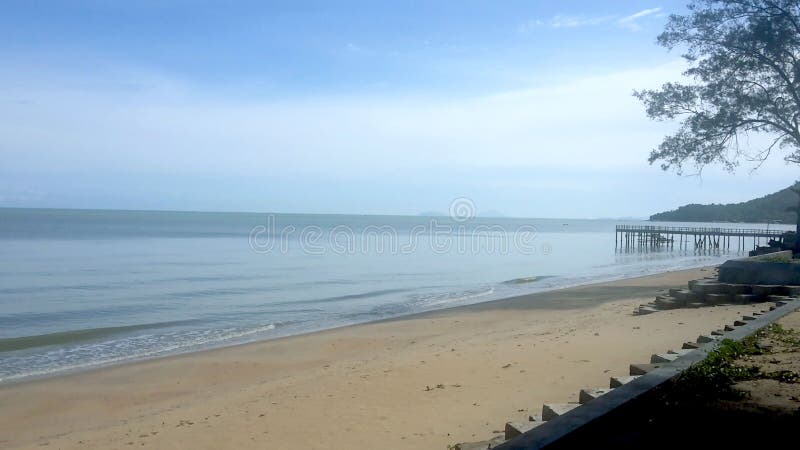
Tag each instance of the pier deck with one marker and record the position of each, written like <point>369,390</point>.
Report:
<point>639,236</point>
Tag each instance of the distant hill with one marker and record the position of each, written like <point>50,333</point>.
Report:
<point>769,208</point>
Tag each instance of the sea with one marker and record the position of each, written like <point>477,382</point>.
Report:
<point>81,289</point>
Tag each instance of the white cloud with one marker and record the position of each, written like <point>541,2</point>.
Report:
<point>590,122</point>
<point>576,21</point>
<point>586,135</point>
<point>630,20</point>
<point>565,21</point>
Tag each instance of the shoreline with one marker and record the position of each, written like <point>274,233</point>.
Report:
<point>546,302</point>
<point>421,381</point>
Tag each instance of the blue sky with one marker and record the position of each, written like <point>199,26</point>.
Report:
<point>343,107</point>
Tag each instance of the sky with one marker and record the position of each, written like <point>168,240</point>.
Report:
<point>362,107</point>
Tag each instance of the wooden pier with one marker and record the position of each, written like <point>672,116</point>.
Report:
<point>650,237</point>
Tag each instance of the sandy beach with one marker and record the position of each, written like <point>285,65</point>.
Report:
<point>420,382</point>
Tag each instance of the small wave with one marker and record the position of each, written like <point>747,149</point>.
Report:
<point>449,298</point>
<point>68,337</point>
<point>83,356</point>
<point>525,280</point>
<point>340,298</point>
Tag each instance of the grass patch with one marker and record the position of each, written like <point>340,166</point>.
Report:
<point>784,259</point>
<point>716,375</point>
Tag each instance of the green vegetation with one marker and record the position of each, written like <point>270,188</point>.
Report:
<point>744,79</point>
<point>715,376</point>
<point>770,208</point>
<point>785,259</point>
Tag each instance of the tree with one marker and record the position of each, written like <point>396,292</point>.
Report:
<point>744,72</point>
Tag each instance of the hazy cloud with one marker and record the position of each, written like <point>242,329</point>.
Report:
<point>576,21</point>
<point>630,21</point>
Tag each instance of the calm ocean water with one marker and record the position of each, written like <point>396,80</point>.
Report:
<point>79,289</point>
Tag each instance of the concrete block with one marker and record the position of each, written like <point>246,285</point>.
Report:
<point>616,382</point>
<point>729,328</point>
<point>739,323</point>
<point>748,318</point>
<point>480,445</point>
<point>644,310</point>
<point>681,352</point>
<point>641,369</point>
<point>781,303</point>
<point>514,429</point>
<point>704,338</point>
<point>717,333</point>
<point>662,358</point>
<point>552,410</point>
<point>690,345</point>
<point>589,394</point>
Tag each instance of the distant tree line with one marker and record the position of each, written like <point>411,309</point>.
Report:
<point>770,208</point>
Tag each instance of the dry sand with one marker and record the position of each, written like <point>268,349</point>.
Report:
<point>421,382</point>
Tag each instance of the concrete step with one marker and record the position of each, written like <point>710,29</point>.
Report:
<point>662,358</point>
<point>552,410</point>
<point>668,303</point>
<point>641,369</point>
<point>718,299</point>
<point>685,296</point>
<point>792,291</point>
<point>589,394</point>
<point>737,289</point>
<point>739,323</point>
<point>764,290</point>
<point>616,382</point>
<point>706,286</point>
<point>514,429</point>
<point>743,299</point>
<point>480,445</point>
<point>690,345</point>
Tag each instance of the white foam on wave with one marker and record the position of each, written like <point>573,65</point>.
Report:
<point>127,349</point>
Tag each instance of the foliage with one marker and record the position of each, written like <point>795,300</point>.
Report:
<point>770,208</point>
<point>744,58</point>
<point>714,377</point>
<point>716,374</point>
